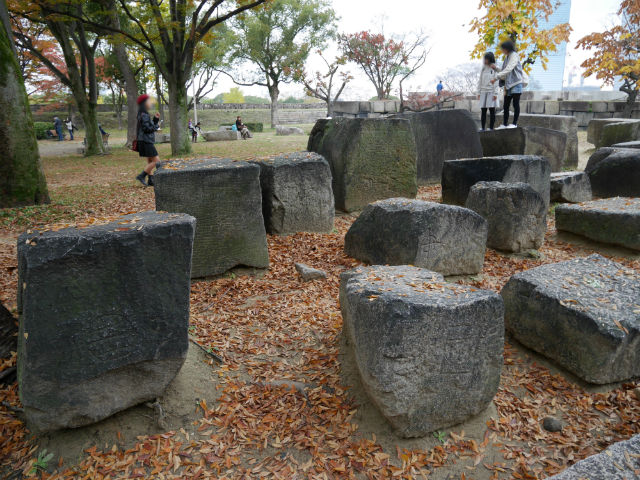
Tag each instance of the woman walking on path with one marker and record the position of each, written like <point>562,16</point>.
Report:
<point>70,127</point>
<point>512,75</point>
<point>146,138</point>
<point>488,91</point>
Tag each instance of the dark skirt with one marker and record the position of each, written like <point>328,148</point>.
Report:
<point>147,150</point>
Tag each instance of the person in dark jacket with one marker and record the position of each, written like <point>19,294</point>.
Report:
<point>57,124</point>
<point>146,137</point>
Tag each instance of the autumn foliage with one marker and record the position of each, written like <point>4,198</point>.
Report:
<point>519,21</point>
<point>616,52</point>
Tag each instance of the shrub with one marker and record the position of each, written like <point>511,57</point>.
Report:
<point>255,127</point>
<point>41,129</point>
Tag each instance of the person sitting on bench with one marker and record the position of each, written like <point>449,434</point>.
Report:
<point>242,128</point>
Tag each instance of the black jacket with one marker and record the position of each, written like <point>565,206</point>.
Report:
<point>147,127</point>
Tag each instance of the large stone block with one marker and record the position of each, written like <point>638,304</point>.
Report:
<point>283,130</point>
<point>226,199</point>
<point>581,314</point>
<point>562,123</point>
<point>429,353</point>
<point>634,145</point>
<point>618,462</point>
<point>296,193</point>
<point>458,176</point>
<point>221,136</point>
<point>352,108</point>
<point>370,159</point>
<point>104,316</point>
<point>570,187</point>
<point>614,133</point>
<point>615,172</point>
<point>611,220</point>
<point>442,135</point>
<point>596,127</point>
<point>515,212</point>
<point>447,239</point>
<point>552,107</point>
<point>550,144</point>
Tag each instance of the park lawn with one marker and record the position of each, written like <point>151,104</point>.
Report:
<point>271,328</point>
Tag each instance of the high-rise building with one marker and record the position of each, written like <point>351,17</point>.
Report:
<point>552,77</point>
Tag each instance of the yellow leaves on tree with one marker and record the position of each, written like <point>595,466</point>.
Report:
<point>616,52</point>
<point>519,21</point>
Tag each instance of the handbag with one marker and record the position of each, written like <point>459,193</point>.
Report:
<point>134,144</point>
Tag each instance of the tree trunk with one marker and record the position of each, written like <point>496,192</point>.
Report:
<point>22,181</point>
<point>273,94</point>
<point>93,137</point>
<point>159,96</point>
<point>632,95</point>
<point>180,141</point>
<point>329,108</point>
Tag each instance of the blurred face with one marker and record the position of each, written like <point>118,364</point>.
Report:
<point>487,62</point>
<point>148,103</point>
<point>505,51</point>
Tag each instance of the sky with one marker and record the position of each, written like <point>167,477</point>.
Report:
<point>450,42</point>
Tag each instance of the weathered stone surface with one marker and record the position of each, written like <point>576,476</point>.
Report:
<point>613,133</point>
<point>612,220</point>
<point>635,145</point>
<point>163,138</point>
<point>308,273</point>
<point>296,193</point>
<point>225,198</point>
<point>615,172</point>
<point>552,424</point>
<point>612,464</point>
<point>550,144</point>
<point>570,187</point>
<point>429,353</point>
<point>458,176</point>
<point>104,316</point>
<point>515,212</point>
<point>447,239</point>
<point>442,135</point>
<point>221,135</point>
<point>370,159</point>
<point>8,334</point>
<point>580,314</point>
<point>562,123</point>
<point>286,130</point>
<point>596,127</point>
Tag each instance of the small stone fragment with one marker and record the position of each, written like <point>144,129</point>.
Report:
<point>308,273</point>
<point>552,424</point>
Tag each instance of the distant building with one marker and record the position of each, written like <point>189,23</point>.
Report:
<point>551,78</point>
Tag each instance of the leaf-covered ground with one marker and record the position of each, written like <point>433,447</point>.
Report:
<point>272,329</point>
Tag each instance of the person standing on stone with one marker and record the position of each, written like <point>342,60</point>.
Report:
<point>513,76</point>
<point>488,91</point>
<point>146,138</point>
<point>57,124</point>
<point>439,88</point>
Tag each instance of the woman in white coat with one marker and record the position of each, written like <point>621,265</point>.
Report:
<point>488,91</point>
<point>512,75</point>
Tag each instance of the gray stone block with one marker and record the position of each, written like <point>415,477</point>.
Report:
<point>104,316</point>
<point>282,130</point>
<point>352,108</point>
<point>370,159</point>
<point>599,107</point>
<point>565,124</point>
<point>225,198</point>
<point>429,353</point>
<point>515,213</point>
<point>552,107</point>
<point>536,106</point>
<point>615,173</point>
<point>612,220</point>
<point>442,135</point>
<point>580,314</point>
<point>550,144</point>
<point>308,273</point>
<point>458,176</point>
<point>618,462</point>
<point>596,127</point>
<point>447,239</point>
<point>614,133</point>
<point>296,193</point>
<point>634,145</point>
<point>570,187</point>
<point>221,136</point>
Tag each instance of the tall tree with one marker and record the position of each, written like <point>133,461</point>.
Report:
<point>78,46</point>
<point>326,85</point>
<point>277,40</point>
<point>519,21</point>
<point>616,53</point>
<point>385,60</point>
<point>22,181</point>
<point>169,33</point>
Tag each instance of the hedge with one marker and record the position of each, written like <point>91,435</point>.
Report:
<point>41,129</point>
